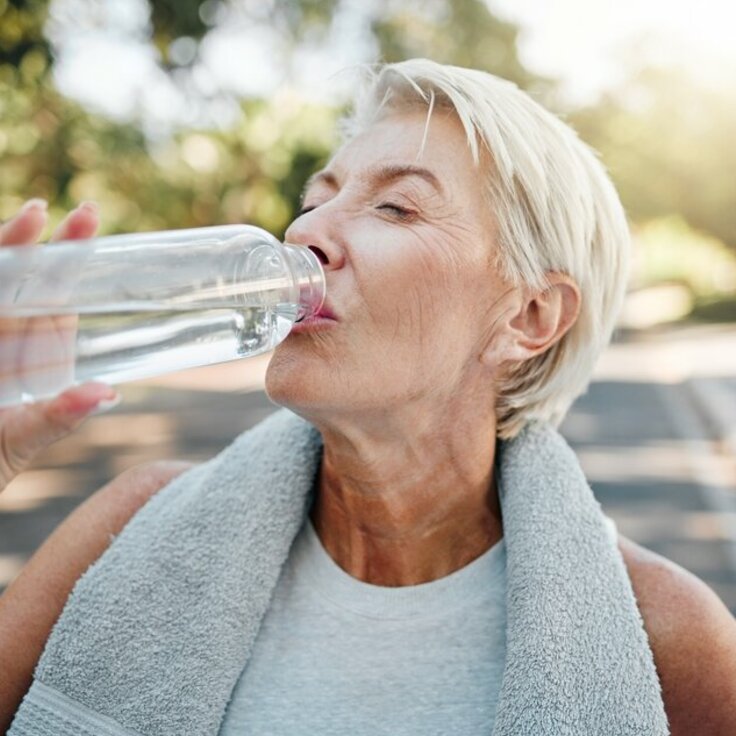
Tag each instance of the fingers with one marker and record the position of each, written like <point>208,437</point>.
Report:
<point>27,430</point>
<point>68,409</point>
<point>80,223</point>
<point>26,227</point>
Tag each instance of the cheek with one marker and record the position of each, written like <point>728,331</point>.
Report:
<point>415,301</point>
<point>413,259</point>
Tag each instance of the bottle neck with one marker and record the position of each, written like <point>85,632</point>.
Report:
<point>309,279</point>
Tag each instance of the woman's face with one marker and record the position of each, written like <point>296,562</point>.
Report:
<point>408,243</point>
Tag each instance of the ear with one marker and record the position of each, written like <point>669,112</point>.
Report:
<point>538,321</point>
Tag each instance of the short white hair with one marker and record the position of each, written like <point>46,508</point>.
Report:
<point>555,207</point>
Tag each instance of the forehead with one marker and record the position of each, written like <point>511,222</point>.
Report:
<point>403,141</point>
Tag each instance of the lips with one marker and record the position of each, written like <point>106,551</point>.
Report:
<point>326,312</point>
<point>321,321</point>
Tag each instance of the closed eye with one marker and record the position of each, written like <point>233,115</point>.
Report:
<point>394,210</point>
<point>400,213</point>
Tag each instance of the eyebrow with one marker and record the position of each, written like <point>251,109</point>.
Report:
<point>381,175</point>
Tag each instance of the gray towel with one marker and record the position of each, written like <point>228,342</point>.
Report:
<point>155,634</point>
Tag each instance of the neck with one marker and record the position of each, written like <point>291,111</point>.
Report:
<point>397,507</point>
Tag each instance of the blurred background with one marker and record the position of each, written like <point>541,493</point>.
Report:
<point>184,113</point>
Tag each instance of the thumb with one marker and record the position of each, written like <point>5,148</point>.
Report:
<point>27,430</point>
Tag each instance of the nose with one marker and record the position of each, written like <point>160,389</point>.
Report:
<point>312,230</point>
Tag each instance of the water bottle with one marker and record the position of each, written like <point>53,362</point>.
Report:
<point>124,307</point>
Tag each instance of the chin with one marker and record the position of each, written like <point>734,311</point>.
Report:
<point>291,383</point>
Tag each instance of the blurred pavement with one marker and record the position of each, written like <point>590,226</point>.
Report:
<point>654,435</point>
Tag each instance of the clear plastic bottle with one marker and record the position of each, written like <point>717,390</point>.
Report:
<point>123,307</point>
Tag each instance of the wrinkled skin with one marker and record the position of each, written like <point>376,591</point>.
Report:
<point>402,385</point>
<point>414,291</point>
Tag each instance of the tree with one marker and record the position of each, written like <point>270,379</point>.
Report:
<point>251,172</point>
<point>463,33</point>
<point>668,143</point>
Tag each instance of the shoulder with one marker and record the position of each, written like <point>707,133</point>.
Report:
<point>693,639</point>
<point>85,534</point>
<point>35,599</point>
<point>115,503</point>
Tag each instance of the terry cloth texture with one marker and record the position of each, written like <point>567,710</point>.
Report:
<point>156,633</point>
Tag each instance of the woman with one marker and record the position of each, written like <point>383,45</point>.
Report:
<point>421,555</point>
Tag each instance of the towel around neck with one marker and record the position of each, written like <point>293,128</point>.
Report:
<point>156,633</point>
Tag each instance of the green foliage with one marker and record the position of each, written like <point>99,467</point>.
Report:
<point>172,19</point>
<point>21,33</point>
<point>668,143</point>
<point>463,33</point>
<point>668,250</point>
<point>254,172</point>
<point>294,22</point>
<point>175,19</point>
<point>679,274</point>
<point>51,147</point>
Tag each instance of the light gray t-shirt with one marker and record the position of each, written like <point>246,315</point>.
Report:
<point>338,656</point>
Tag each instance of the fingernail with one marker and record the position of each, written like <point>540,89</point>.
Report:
<point>106,405</point>
<point>37,203</point>
<point>89,205</point>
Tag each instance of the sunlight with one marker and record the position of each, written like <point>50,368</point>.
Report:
<point>588,44</point>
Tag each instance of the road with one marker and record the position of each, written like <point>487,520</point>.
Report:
<point>656,436</point>
<point>655,457</point>
<point>654,469</point>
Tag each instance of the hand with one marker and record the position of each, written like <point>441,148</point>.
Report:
<point>28,429</point>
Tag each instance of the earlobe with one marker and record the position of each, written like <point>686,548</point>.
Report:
<point>507,348</point>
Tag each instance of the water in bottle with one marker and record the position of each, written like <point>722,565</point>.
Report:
<point>127,307</point>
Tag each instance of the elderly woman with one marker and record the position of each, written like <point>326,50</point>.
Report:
<point>409,547</point>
